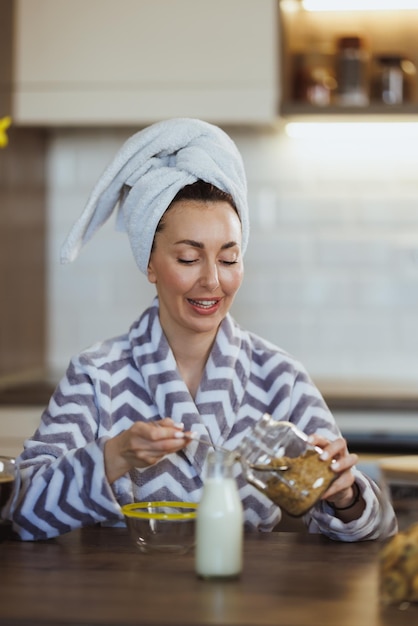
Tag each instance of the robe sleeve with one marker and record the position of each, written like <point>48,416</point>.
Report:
<point>61,481</point>
<point>308,410</point>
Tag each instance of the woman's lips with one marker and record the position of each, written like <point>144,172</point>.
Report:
<point>204,306</point>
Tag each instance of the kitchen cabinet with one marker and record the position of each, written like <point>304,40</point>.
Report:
<point>129,62</point>
<point>310,72</point>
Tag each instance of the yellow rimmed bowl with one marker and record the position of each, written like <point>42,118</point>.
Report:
<point>161,526</point>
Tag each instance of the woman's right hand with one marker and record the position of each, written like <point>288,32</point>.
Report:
<point>143,444</point>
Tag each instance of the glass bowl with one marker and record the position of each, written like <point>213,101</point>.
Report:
<point>7,482</point>
<point>7,479</point>
<point>161,526</point>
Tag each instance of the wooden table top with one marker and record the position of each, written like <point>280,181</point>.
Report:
<point>96,577</point>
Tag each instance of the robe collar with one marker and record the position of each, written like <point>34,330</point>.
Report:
<point>213,412</point>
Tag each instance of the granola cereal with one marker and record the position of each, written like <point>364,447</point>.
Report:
<point>307,478</point>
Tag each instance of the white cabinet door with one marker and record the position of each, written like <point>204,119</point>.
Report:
<point>137,61</point>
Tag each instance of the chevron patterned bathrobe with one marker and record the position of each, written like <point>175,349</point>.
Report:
<point>134,377</point>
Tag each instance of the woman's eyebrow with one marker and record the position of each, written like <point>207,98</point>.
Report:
<point>201,246</point>
<point>191,242</point>
<point>230,244</point>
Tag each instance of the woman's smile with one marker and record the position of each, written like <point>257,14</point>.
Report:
<point>204,307</point>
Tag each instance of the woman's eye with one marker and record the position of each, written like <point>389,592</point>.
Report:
<point>186,261</point>
<point>191,261</point>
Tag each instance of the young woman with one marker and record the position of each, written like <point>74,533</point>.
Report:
<point>118,425</point>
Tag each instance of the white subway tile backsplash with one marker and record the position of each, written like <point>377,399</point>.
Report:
<point>350,252</point>
<point>61,163</point>
<point>331,268</point>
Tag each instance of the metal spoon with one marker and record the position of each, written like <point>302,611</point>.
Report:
<point>260,467</point>
<point>194,437</point>
<point>254,466</point>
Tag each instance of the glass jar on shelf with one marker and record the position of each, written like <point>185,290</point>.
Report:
<point>313,78</point>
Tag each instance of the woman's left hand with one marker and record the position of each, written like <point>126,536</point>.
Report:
<point>341,492</point>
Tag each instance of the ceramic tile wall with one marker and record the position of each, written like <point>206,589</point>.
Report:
<point>331,270</point>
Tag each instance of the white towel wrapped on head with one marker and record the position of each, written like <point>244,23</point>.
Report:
<point>147,173</point>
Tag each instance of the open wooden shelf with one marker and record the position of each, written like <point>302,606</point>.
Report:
<point>314,35</point>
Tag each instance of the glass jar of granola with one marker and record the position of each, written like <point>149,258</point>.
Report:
<point>278,459</point>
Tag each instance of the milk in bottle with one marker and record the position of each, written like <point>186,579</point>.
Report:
<point>219,525</point>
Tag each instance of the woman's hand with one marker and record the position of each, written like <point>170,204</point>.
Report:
<point>143,444</point>
<point>342,493</point>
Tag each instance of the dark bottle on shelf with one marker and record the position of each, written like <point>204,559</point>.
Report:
<point>351,72</point>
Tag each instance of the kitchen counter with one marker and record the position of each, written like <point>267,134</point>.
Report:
<point>375,417</point>
<point>366,395</point>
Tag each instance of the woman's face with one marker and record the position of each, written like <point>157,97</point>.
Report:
<point>196,265</point>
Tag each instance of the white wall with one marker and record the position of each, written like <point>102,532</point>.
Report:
<point>331,270</point>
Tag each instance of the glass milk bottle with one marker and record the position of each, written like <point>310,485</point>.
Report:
<point>220,519</point>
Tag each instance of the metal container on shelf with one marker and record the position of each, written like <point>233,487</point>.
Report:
<point>391,79</point>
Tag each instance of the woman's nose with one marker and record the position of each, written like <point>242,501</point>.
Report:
<point>210,278</point>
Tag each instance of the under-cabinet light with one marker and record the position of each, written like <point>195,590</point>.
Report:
<point>359,5</point>
<point>352,130</point>
<point>290,6</point>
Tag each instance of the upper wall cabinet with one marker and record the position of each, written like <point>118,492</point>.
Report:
<point>348,62</point>
<point>123,62</point>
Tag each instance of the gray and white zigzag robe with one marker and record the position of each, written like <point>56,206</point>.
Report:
<point>134,377</point>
